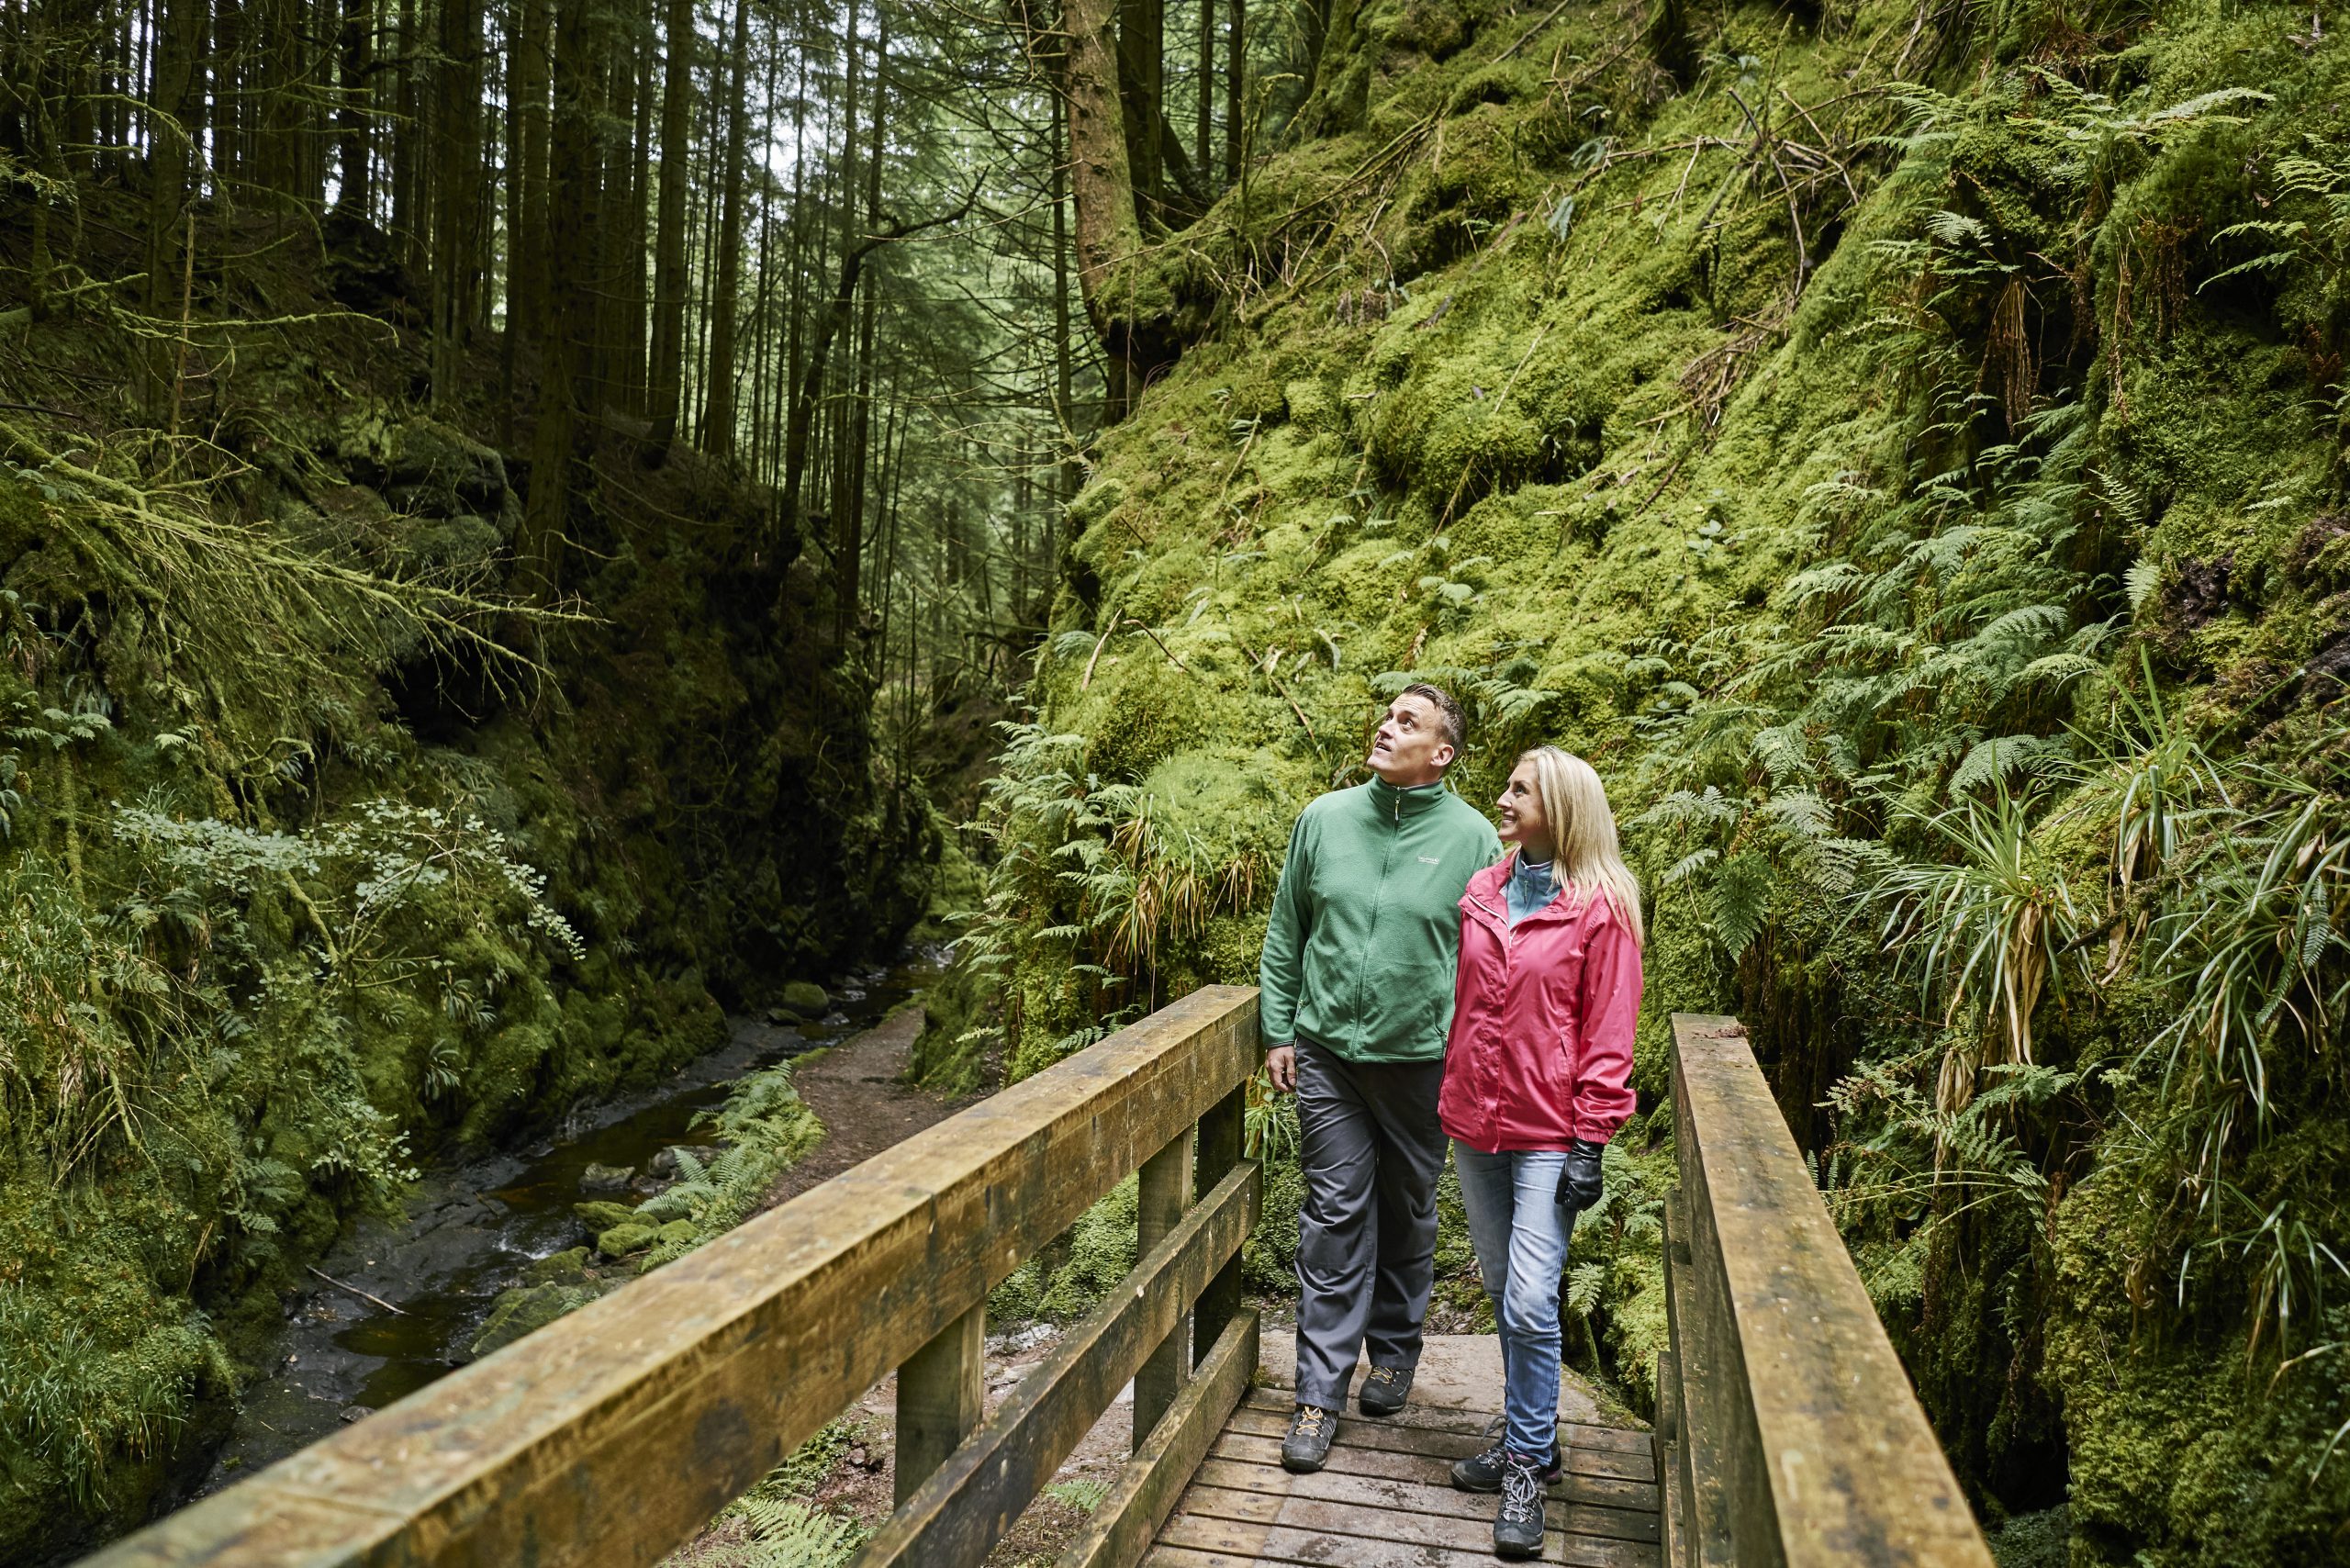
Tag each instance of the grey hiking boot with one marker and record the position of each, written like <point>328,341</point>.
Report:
<point>1385,1391</point>
<point>1518,1525</point>
<point>1308,1443</point>
<point>1482,1472</point>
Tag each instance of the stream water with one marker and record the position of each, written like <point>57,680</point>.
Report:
<point>472,1226</point>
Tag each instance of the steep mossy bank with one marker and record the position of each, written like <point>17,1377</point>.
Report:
<point>1902,447</point>
<point>340,826</point>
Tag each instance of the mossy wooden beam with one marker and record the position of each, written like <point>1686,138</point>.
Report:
<point>614,1434</point>
<point>1799,1440</point>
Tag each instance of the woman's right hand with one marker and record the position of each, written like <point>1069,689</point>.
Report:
<point>1280,1066</point>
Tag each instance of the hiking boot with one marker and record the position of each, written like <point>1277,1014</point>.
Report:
<point>1482,1472</point>
<point>1385,1391</point>
<point>1517,1525</point>
<point>1308,1443</point>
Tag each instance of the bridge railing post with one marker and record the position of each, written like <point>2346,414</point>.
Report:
<point>1165,1192</point>
<point>1221,1140</point>
<point>941,1390</point>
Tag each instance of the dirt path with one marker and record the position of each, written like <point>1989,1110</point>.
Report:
<point>857,1089</point>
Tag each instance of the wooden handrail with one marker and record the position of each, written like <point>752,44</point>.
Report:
<point>614,1434</point>
<point>1787,1430</point>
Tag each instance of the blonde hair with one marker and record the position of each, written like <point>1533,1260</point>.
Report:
<point>1583,830</point>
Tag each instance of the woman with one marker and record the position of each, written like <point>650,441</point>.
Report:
<point>1536,1081</point>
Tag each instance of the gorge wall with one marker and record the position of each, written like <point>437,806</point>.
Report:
<point>340,827</point>
<point>1901,445</point>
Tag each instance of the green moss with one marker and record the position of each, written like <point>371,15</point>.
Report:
<point>600,1216</point>
<point>1569,459</point>
<point>518,1312</point>
<point>626,1238</point>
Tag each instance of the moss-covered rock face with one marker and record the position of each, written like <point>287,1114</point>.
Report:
<point>306,870</point>
<point>1873,442</point>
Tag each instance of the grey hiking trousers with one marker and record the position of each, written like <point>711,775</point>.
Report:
<point>1371,1152</point>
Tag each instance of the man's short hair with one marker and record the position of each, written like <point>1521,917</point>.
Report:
<point>1449,717</point>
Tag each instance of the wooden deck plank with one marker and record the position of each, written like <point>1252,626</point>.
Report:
<point>1449,1446</point>
<point>1439,1418</point>
<point>1605,1490</point>
<point>1384,1499</point>
<point>1625,1439</point>
<point>1284,1543</point>
<point>1369,1493</point>
<point>1185,1557</point>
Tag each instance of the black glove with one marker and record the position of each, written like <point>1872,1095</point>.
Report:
<point>1579,1182</point>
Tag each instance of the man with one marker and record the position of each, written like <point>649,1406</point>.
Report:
<point>1356,982</point>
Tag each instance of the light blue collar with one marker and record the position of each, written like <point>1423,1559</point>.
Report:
<point>1531,885</point>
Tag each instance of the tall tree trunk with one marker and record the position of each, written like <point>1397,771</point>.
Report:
<point>1203,137</point>
<point>763,297</point>
<point>717,411</point>
<point>456,196</point>
<point>176,127</point>
<point>1142,72</point>
<point>848,510</point>
<point>281,59</point>
<point>570,307</point>
<point>616,250</point>
<point>1235,64</point>
<point>794,348</point>
<point>848,506</point>
<point>669,224</point>
<point>528,23</point>
<point>1108,231</point>
<point>637,384</point>
<point>354,68</point>
<point>408,215</point>
<point>1064,355</point>
<point>229,106</point>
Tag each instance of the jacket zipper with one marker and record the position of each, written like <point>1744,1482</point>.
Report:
<point>1378,903</point>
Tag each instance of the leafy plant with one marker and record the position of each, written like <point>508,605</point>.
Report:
<point>1984,930</point>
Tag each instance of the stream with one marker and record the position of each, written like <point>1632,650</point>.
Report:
<point>472,1226</point>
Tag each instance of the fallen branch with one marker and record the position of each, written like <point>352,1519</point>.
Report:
<point>1528,37</point>
<point>1268,669</point>
<point>1163,648</point>
<point>355,1290</point>
<point>1087,679</point>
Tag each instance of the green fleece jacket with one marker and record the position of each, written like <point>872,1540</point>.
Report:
<point>1366,923</point>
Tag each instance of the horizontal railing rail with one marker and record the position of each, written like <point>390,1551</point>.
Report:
<point>1787,1431</point>
<point>612,1435</point>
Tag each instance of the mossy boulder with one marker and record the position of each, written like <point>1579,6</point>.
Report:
<point>806,998</point>
<point>623,1239</point>
<point>601,1215</point>
<point>567,1268</point>
<point>519,1311</point>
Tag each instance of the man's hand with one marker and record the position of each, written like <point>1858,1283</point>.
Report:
<point>1579,1182</point>
<point>1280,1066</point>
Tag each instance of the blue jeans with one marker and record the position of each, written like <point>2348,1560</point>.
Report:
<point>1520,1229</point>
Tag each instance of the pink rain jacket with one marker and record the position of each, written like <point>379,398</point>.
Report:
<point>1540,1050</point>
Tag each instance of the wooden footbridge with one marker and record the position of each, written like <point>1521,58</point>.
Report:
<point>1786,1432</point>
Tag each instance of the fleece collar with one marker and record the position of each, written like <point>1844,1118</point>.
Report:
<point>1397,805</point>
